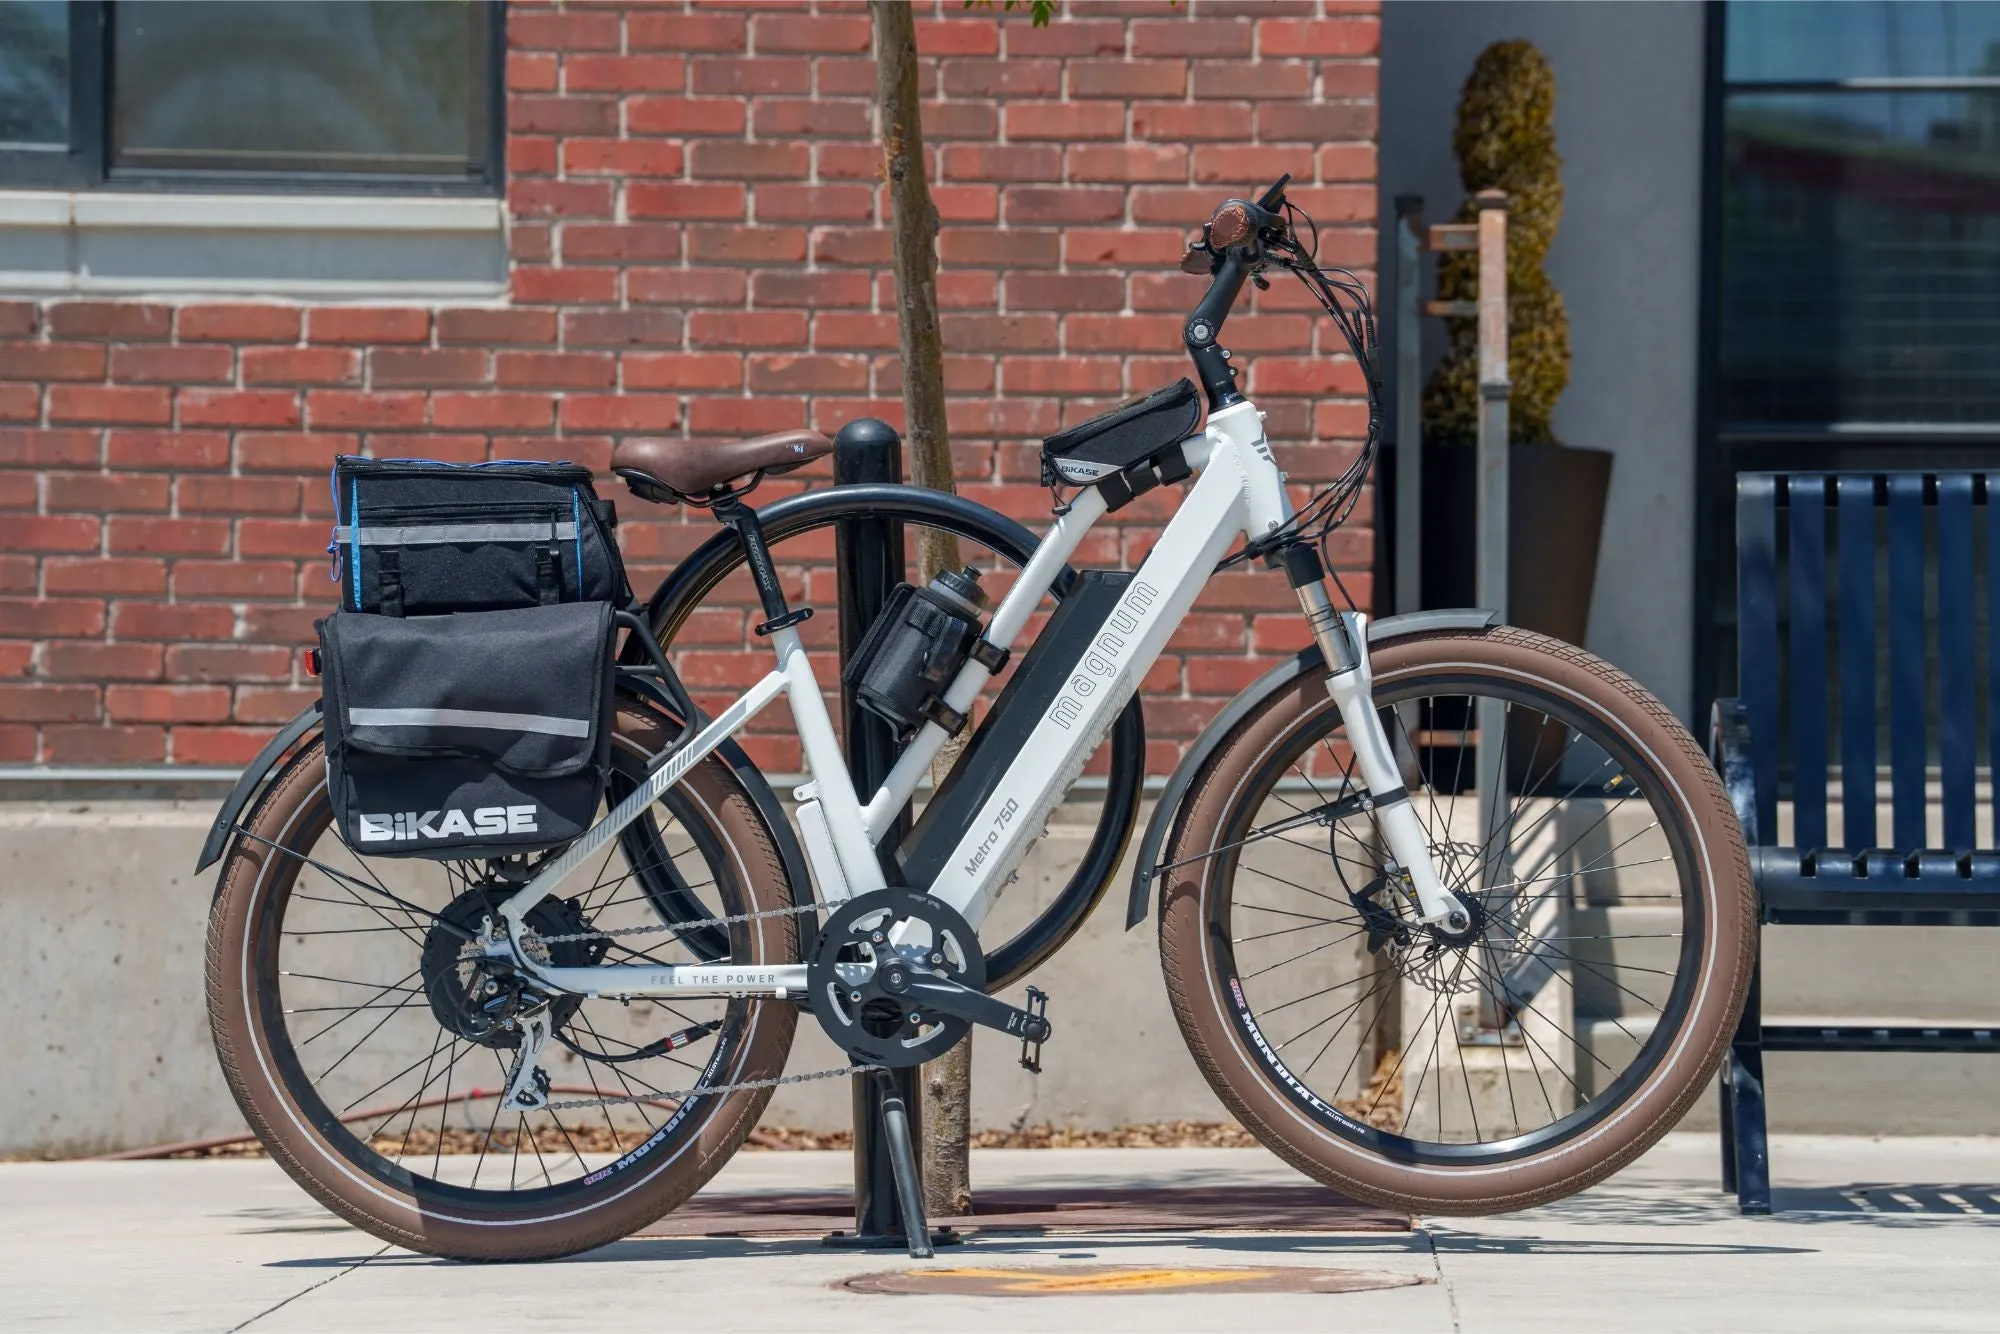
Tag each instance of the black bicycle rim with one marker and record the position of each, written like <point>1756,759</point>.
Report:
<point>1323,723</point>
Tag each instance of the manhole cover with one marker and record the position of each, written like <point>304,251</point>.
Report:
<point>1113,1280</point>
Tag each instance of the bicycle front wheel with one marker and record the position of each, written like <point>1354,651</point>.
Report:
<point>1525,1057</point>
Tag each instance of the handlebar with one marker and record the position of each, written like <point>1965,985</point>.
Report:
<point>1231,249</point>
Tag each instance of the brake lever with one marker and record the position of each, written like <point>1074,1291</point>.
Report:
<point>1201,259</point>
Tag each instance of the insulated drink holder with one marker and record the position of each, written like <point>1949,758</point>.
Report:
<point>481,734</point>
<point>414,537</point>
<point>908,659</point>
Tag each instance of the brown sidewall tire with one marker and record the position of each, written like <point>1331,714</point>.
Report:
<point>650,1182</point>
<point>1195,983</point>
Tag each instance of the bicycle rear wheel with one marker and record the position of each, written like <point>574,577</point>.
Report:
<point>349,1030</point>
<point>1526,1057</point>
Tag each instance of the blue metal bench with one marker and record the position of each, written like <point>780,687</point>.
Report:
<point>1791,694</point>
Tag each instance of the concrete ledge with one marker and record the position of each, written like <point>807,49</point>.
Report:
<point>333,247</point>
<point>101,977</point>
<point>290,212</point>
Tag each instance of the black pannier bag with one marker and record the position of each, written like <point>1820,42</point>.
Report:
<point>480,734</point>
<point>414,537</point>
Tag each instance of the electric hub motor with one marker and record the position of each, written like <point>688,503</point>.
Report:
<point>478,998</point>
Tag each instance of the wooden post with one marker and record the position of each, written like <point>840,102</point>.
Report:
<point>1409,404</point>
<point>1493,503</point>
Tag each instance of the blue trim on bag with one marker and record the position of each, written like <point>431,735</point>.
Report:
<point>354,554</point>
<point>354,506</point>
<point>333,536</point>
<point>490,463</point>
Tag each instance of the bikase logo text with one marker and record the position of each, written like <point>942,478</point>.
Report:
<point>405,825</point>
<point>1104,657</point>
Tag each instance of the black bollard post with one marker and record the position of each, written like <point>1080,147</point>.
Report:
<point>869,555</point>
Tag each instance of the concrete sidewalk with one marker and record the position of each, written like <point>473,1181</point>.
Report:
<point>1900,1234</point>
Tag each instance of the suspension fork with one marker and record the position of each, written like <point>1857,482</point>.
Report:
<point>1343,641</point>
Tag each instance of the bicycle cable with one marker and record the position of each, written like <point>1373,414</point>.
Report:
<point>1345,300</point>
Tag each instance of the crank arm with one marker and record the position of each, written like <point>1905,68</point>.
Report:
<point>962,1002</point>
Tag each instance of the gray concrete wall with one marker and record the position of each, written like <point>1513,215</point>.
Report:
<point>106,1042</point>
<point>1628,124</point>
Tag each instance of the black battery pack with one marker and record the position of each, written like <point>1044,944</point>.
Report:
<point>998,740</point>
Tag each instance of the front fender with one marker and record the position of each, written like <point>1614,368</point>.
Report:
<point>1255,694</point>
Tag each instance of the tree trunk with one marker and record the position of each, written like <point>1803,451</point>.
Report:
<point>913,224</point>
<point>947,1081</point>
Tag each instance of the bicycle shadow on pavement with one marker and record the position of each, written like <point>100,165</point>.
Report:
<point>1696,1204</point>
<point>1083,1246</point>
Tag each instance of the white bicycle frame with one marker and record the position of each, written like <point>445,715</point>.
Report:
<point>1240,491</point>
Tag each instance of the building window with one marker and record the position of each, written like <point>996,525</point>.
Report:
<point>260,95</point>
<point>1860,218</point>
<point>1853,231</point>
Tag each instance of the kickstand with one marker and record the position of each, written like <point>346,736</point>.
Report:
<point>903,1160</point>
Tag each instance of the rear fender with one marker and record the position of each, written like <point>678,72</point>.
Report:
<point>252,780</point>
<point>1278,679</point>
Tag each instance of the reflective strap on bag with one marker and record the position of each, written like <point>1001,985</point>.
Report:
<point>502,722</point>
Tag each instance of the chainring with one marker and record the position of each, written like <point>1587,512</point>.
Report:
<point>865,938</point>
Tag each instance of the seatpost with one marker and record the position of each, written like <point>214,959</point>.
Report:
<point>770,593</point>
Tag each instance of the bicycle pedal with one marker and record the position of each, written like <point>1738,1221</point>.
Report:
<point>1034,1034</point>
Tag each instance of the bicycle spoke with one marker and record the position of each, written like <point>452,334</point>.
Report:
<point>1542,827</point>
<point>1314,950</point>
<point>397,985</point>
<point>342,878</point>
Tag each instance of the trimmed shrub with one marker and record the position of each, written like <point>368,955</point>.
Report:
<point>1506,140</point>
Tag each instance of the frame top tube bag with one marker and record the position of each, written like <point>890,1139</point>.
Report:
<point>414,537</point>
<point>482,734</point>
<point>1129,434</point>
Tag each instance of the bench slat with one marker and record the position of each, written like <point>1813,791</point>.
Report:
<point>1803,885</point>
<point>1807,654</point>
<point>1857,662</point>
<point>1757,632</point>
<point>1955,614</point>
<point>1906,660</point>
<point>1993,636</point>
<point>1874,1037</point>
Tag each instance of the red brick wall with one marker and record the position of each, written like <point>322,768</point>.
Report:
<point>699,246</point>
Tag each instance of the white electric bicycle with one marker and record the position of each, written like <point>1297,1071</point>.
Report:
<point>1453,916</point>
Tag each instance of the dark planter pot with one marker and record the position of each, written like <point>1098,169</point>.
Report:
<point>1555,521</point>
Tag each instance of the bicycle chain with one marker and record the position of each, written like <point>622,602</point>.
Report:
<point>700,1090</point>
<point>531,938</point>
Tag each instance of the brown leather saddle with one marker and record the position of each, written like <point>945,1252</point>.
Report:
<point>695,472</point>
